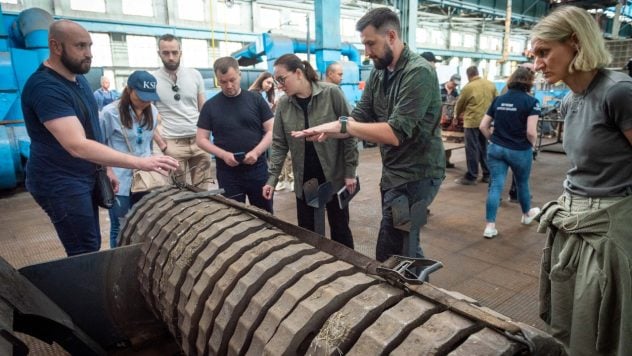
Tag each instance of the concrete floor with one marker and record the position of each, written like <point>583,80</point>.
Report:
<point>501,273</point>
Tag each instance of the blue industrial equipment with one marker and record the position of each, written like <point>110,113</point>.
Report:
<point>23,46</point>
<point>274,46</point>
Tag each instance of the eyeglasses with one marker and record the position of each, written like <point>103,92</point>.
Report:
<point>175,89</point>
<point>281,80</point>
<point>139,137</point>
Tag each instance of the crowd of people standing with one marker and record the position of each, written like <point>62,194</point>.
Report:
<point>586,278</point>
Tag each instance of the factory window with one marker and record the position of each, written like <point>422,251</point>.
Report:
<point>191,10</point>
<point>227,15</point>
<point>142,51</point>
<point>469,40</point>
<point>347,27</point>
<point>494,44</point>
<point>88,5</point>
<point>456,39</point>
<point>438,38</point>
<point>138,7</point>
<point>269,19</point>
<point>516,46</point>
<point>101,50</point>
<point>226,48</point>
<point>195,53</point>
<point>297,21</point>
<point>422,35</point>
<point>9,1</point>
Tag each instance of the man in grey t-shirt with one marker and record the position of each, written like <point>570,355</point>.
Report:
<point>181,92</point>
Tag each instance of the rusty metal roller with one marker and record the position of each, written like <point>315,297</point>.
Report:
<point>232,280</point>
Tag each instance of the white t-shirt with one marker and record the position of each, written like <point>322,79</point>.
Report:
<point>179,117</point>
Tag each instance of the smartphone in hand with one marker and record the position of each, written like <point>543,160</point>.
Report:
<point>239,156</point>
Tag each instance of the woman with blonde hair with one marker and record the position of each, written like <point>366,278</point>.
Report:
<point>515,116</point>
<point>586,281</point>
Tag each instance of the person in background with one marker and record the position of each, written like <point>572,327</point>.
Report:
<point>181,92</point>
<point>515,117</point>
<point>586,275</point>
<point>241,124</point>
<point>307,103</point>
<point>128,126</point>
<point>430,57</point>
<point>264,85</point>
<point>474,100</point>
<point>405,124</point>
<point>104,95</point>
<point>449,95</point>
<point>333,73</point>
<point>62,120</point>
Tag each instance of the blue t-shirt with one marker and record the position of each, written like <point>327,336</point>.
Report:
<point>510,112</point>
<point>235,122</point>
<point>51,170</point>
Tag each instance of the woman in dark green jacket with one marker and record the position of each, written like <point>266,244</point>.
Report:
<point>309,102</point>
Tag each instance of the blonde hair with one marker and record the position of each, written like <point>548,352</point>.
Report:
<point>567,22</point>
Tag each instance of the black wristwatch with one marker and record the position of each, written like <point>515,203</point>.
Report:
<point>343,124</point>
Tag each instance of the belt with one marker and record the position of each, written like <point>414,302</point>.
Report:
<point>188,139</point>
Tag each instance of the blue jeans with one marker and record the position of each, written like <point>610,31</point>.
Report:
<point>121,206</point>
<point>76,220</point>
<point>500,159</point>
<point>475,153</point>
<point>390,241</point>
<point>242,181</point>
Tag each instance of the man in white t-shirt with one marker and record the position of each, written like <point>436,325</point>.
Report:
<point>181,92</point>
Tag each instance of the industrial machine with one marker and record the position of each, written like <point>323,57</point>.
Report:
<point>23,46</point>
<point>273,46</point>
<point>204,275</point>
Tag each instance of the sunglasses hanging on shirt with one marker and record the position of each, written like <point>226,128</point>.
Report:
<point>175,89</point>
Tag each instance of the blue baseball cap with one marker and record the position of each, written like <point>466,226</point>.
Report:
<point>144,84</point>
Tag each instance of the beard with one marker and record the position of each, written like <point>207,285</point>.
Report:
<point>170,65</point>
<point>386,60</point>
<point>75,66</point>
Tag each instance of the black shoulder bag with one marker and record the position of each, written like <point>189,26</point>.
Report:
<point>103,193</point>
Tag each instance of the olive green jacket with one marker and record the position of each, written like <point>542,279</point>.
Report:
<point>475,99</point>
<point>411,104</point>
<point>339,158</point>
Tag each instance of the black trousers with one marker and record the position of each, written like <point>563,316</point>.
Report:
<point>338,220</point>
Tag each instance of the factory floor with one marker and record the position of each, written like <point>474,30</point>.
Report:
<point>501,273</point>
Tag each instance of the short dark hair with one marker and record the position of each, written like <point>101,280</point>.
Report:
<point>471,71</point>
<point>223,64</point>
<point>521,79</point>
<point>168,37</point>
<point>380,18</point>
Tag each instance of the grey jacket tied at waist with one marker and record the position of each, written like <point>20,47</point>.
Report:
<point>586,276</point>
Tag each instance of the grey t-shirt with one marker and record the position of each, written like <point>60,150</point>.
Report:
<point>594,122</point>
<point>179,117</point>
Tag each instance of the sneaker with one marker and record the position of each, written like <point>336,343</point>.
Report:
<point>490,232</point>
<point>485,180</point>
<point>449,165</point>
<point>464,181</point>
<point>280,186</point>
<point>527,220</point>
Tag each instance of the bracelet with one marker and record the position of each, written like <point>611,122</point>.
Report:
<point>343,124</point>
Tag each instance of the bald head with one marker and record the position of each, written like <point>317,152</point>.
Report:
<point>333,74</point>
<point>61,30</point>
<point>70,47</point>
